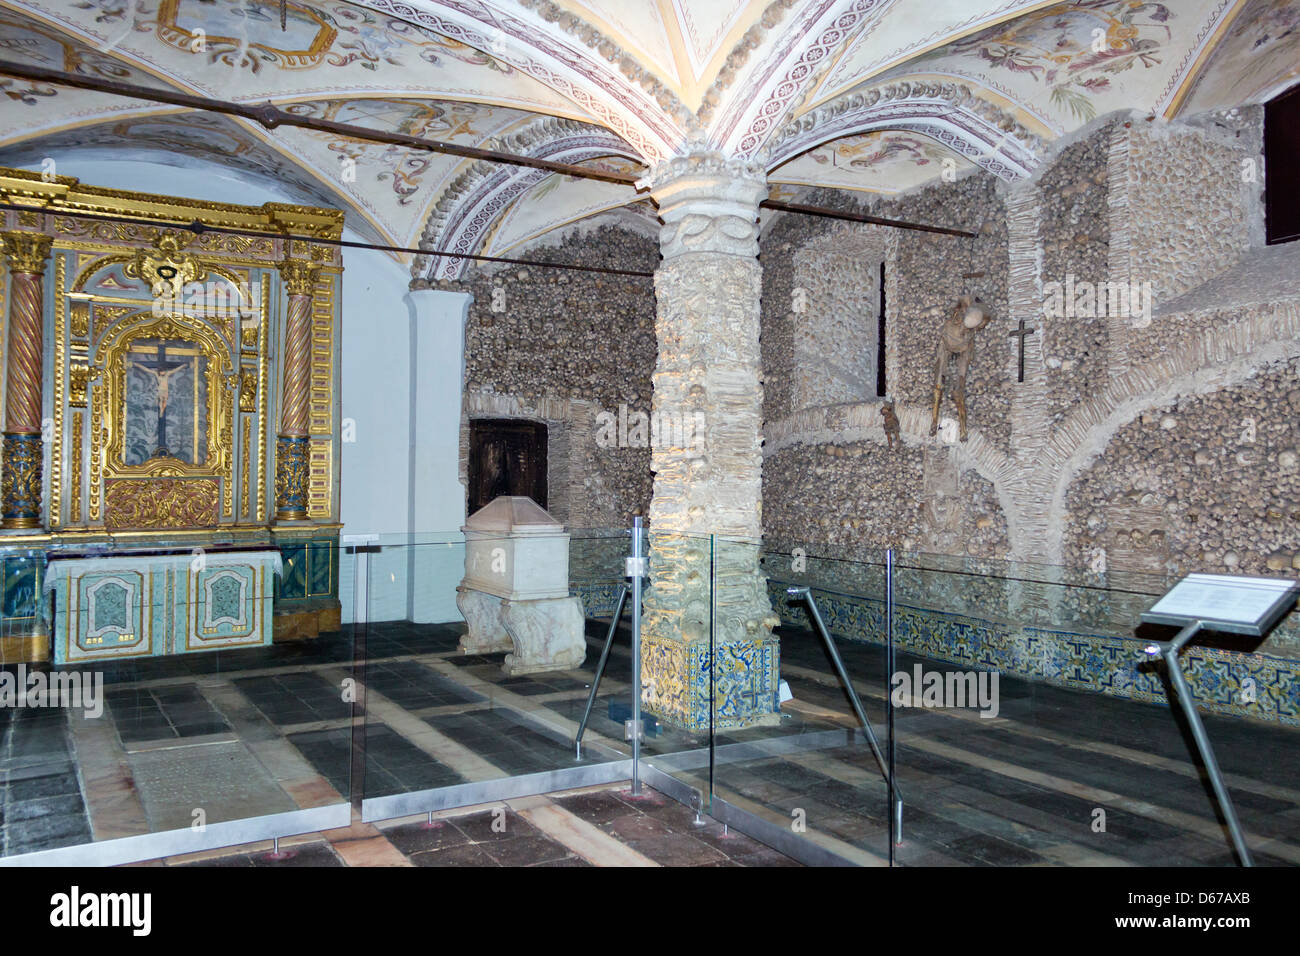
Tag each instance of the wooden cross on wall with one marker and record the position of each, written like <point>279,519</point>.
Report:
<point>1020,332</point>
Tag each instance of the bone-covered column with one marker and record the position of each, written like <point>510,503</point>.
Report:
<point>20,490</point>
<point>292,446</point>
<point>707,459</point>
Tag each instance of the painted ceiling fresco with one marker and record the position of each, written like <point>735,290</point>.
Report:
<point>1065,64</point>
<point>1259,57</point>
<point>870,95</point>
<point>887,161</point>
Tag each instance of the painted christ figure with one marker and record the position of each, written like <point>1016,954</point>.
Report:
<point>162,368</point>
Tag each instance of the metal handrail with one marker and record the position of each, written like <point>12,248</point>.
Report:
<point>896,797</point>
<point>600,668</point>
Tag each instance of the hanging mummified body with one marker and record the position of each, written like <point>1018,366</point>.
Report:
<point>957,340</point>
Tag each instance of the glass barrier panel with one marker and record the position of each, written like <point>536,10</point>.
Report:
<point>791,748</point>
<point>1034,729</point>
<point>157,687</point>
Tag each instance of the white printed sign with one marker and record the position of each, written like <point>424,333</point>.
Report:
<point>1239,604</point>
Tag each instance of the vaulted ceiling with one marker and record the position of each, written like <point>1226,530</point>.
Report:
<point>873,95</point>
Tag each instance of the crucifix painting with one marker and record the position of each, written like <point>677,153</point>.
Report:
<point>166,402</point>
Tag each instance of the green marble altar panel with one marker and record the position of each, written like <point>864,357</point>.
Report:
<point>125,605</point>
<point>310,572</point>
<point>19,591</point>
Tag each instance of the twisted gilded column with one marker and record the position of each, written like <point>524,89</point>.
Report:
<point>708,372</point>
<point>291,461</point>
<point>20,490</point>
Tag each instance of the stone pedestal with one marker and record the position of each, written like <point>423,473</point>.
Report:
<point>515,593</point>
<point>547,635</point>
<point>708,372</point>
<point>482,613</point>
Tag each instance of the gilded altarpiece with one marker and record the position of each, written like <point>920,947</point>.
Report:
<point>172,349</point>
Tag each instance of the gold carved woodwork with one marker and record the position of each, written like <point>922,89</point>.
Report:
<point>160,503</point>
<point>299,276</point>
<point>248,390</point>
<point>79,375</point>
<point>319,486</point>
<point>80,320</point>
<point>88,388</point>
<point>112,356</point>
<point>321,413</point>
<point>244,468</point>
<point>263,406</point>
<point>27,251</point>
<point>60,348</point>
<point>227,439</point>
<point>74,469</point>
<point>167,269</point>
<point>106,315</point>
<point>96,441</point>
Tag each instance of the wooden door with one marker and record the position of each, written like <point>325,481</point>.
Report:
<point>507,456</point>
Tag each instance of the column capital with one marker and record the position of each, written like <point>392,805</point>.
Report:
<point>299,276</point>
<point>27,251</point>
<point>708,203</point>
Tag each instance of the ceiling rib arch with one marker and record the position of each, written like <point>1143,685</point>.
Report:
<point>602,92</point>
<point>947,112</point>
<point>759,106</point>
<point>469,207</point>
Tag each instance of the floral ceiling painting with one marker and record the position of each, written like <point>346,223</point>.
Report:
<point>1077,50</point>
<point>1068,63</point>
<point>235,48</point>
<point>884,161</point>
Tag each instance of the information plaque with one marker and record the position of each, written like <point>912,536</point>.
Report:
<point>1216,602</point>
<point>1223,602</point>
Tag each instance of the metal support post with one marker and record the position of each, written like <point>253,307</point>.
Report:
<point>1169,651</point>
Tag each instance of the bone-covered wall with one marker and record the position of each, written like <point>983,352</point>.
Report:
<point>1153,435</point>
<point>566,348</point>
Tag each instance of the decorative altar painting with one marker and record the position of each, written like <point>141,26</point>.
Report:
<point>162,412</point>
<point>165,413</point>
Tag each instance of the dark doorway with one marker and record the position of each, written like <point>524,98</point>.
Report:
<point>507,456</point>
<point>1281,162</point>
<point>880,339</point>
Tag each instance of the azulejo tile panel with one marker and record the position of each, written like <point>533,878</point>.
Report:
<point>1262,686</point>
<point>676,679</point>
<point>675,675</point>
<point>598,600</point>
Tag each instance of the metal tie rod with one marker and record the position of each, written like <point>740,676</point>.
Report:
<point>1169,651</point>
<point>805,594</point>
<point>269,116</point>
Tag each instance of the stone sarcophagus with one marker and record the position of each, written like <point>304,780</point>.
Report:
<point>515,593</point>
